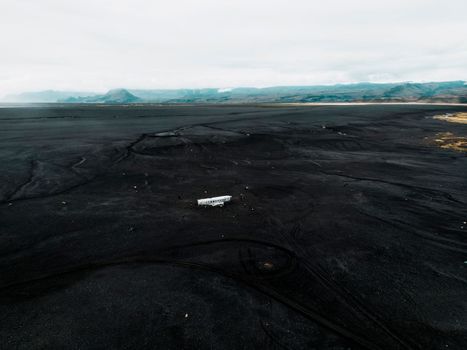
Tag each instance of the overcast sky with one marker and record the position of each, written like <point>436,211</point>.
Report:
<point>95,45</point>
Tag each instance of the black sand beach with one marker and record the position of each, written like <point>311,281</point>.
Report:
<point>347,228</point>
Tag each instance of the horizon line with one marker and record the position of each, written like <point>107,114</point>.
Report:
<point>227,88</point>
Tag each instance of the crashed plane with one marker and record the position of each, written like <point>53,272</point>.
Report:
<point>214,201</point>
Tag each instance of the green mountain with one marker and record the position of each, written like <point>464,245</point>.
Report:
<point>118,96</point>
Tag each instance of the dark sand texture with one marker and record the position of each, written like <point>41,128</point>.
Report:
<point>347,228</point>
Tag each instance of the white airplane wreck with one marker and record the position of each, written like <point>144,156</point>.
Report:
<point>215,201</point>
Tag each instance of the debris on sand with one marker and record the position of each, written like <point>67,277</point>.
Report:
<point>214,201</point>
<point>266,265</point>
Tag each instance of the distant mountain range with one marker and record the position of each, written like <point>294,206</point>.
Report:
<point>449,92</point>
<point>47,96</point>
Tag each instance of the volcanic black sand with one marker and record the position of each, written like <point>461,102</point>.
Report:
<point>347,228</point>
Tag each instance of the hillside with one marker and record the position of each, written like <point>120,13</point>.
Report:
<point>120,96</point>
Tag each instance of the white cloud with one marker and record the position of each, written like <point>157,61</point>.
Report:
<point>102,44</point>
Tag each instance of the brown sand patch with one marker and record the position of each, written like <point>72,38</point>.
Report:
<point>448,140</point>
<point>453,118</point>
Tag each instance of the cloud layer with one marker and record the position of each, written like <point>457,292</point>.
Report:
<point>100,44</point>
